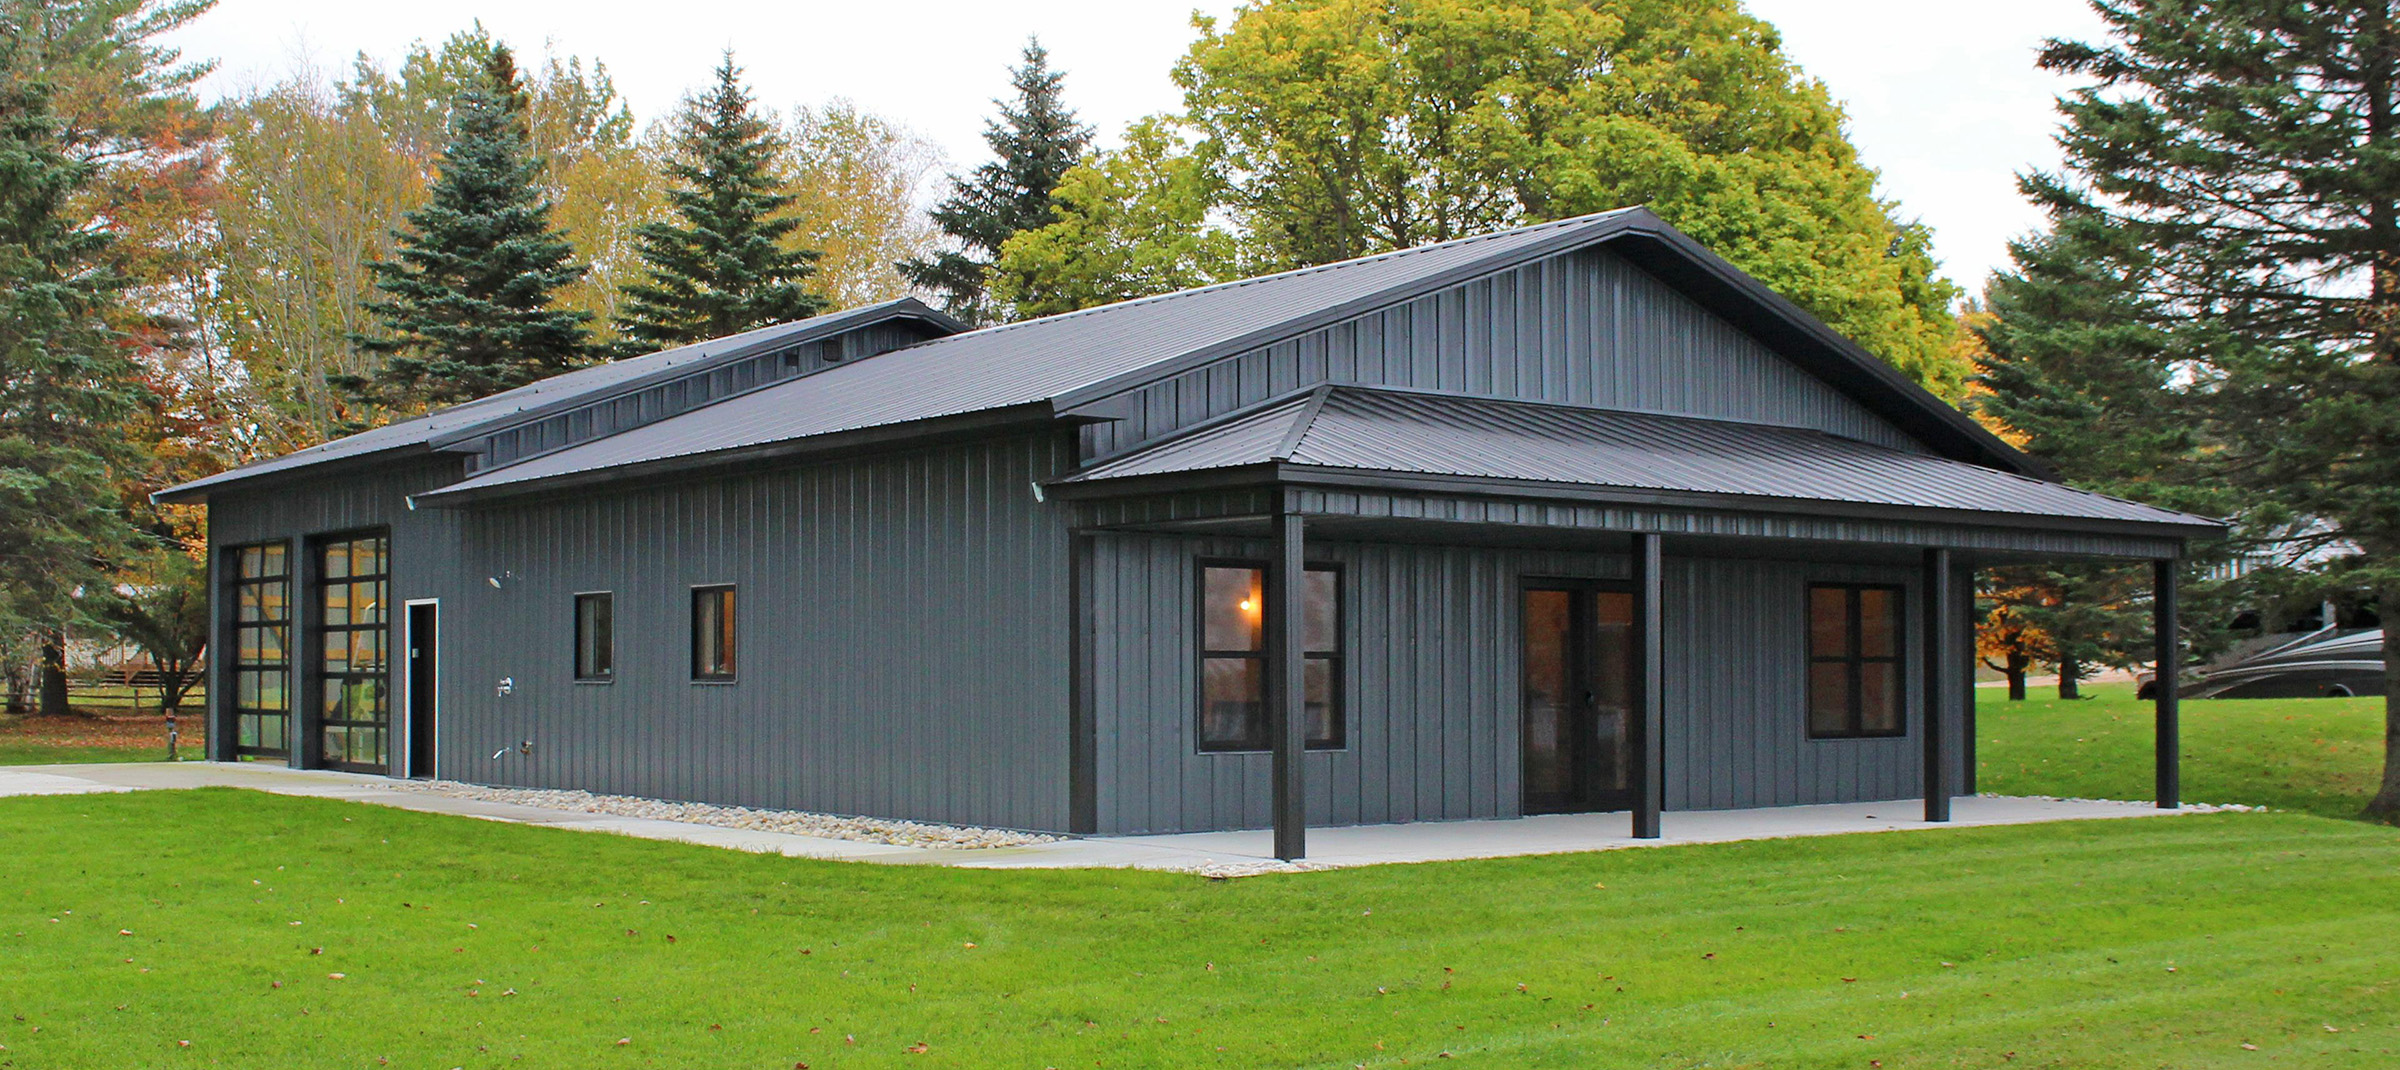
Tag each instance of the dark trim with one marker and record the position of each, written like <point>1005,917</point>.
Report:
<point>1940,614</point>
<point>1964,643</point>
<point>313,675</point>
<point>1287,679</point>
<point>1600,494</point>
<point>575,634</point>
<point>2166,691</point>
<point>1649,618</point>
<point>1688,267</point>
<point>1855,661</point>
<point>732,627</point>
<point>1579,638</point>
<point>834,446</point>
<point>199,490</point>
<point>1083,715</point>
<point>226,671</point>
<point>1712,281</point>
<point>1202,654</point>
<point>439,441</point>
<point>906,308</point>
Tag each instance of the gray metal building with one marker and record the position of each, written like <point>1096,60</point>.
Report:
<point>1569,517</point>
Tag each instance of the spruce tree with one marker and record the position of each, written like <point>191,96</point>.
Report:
<point>67,385</point>
<point>1036,140</point>
<point>720,266</point>
<point>468,298</point>
<point>2241,161</point>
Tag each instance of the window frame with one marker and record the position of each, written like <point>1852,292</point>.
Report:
<point>233,666</point>
<point>730,638</point>
<point>609,676</point>
<point>1337,690</point>
<point>1855,719</point>
<point>315,675</point>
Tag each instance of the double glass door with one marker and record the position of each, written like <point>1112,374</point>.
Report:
<point>1580,733</point>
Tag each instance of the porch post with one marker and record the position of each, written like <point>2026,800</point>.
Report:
<point>1649,769</point>
<point>1940,616</point>
<point>1287,681</point>
<point>2167,637</point>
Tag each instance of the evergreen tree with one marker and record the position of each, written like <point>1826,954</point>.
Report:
<point>2237,164</point>
<point>720,266</point>
<point>1036,140</point>
<point>468,297</point>
<point>2075,366</point>
<point>67,384</point>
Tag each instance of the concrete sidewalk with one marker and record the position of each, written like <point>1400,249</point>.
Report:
<point>1226,853</point>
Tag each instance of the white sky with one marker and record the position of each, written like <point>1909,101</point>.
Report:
<point>1942,95</point>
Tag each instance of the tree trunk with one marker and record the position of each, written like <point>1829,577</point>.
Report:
<point>2015,672</point>
<point>20,687</point>
<point>54,674</point>
<point>2070,672</point>
<point>2386,804</point>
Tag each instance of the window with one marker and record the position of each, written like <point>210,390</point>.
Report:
<point>1855,685</point>
<point>261,665</point>
<point>595,637</point>
<point>354,702</point>
<point>712,633</point>
<point>1233,657</point>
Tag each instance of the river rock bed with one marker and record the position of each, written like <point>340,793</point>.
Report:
<point>795,822</point>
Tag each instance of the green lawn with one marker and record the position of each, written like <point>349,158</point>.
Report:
<point>101,734</point>
<point>2318,755</point>
<point>281,932</point>
<point>284,932</point>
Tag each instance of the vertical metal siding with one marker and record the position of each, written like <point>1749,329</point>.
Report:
<point>903,642</point>
<point>425,564</point>
<point>1584,328</point>
<point>1429,689</point>
<point>1432,687</point>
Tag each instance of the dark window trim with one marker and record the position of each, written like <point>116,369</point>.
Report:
<point>1337,658</point>
<point>313,675</point>
<point>1857,717</point>
<point>575,630</point>
<point>232,667</point>
<point>692,621</point>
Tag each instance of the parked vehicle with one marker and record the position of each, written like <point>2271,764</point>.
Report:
<point>2328,662</point>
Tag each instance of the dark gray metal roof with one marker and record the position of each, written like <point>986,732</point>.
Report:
<point>1065,360</point>
<point>581,386</point>
<point>1395,431</point>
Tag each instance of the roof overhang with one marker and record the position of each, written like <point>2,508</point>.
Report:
<point>815,448</point>
<point>1275,474</point>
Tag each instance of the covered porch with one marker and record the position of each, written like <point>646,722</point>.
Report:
<point>1645,498</point>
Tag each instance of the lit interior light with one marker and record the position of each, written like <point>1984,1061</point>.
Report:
<point>1248,605</point>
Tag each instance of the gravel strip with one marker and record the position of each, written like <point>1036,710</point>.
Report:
<point>796,822</point>
<point>2189,807</point>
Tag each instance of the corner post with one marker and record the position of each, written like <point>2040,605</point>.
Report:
<point>1940,615</point>
<point>2166,626</point>
<point>1650,774</point>
<point>1287,681</point>
<point>1083,762</point>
